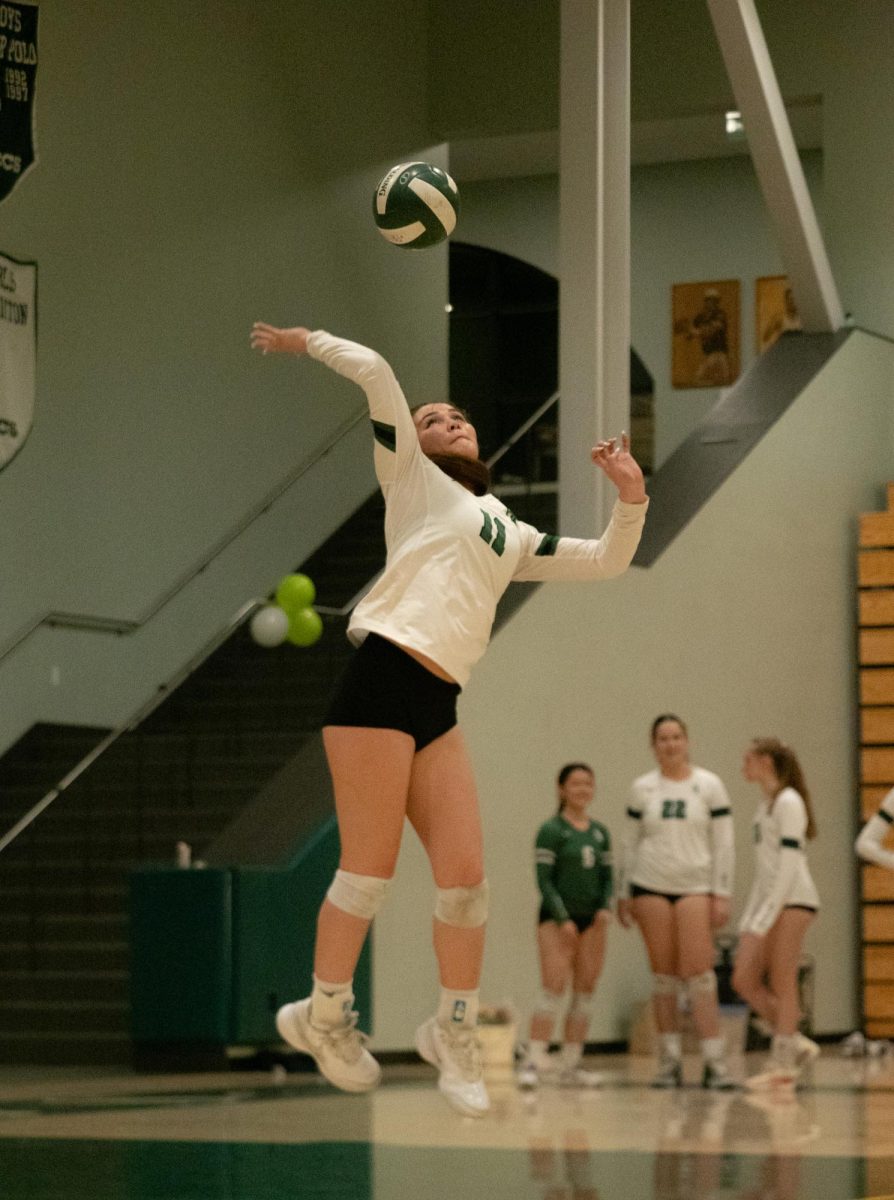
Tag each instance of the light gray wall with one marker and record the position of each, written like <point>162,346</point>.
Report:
<point>690,221</point>
<point>199,167</point>
<point>745,626</point>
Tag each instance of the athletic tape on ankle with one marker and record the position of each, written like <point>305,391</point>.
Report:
<point>548,1004</point>
<point>665,985</point>
<point>581,1005</point>
<point>359,895</point>
<point>465,907</point>
<point>701,985</point>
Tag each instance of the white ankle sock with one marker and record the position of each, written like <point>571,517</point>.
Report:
<point>457,1007</point>
<point>713,1049</point>
<point>538,1054</point>
<point>570,1055</point>
<point>671,1045</point>
<point>330,1003</point>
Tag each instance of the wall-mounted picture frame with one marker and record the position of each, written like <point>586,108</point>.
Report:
<point>705,341</point>
<point>775,311</point>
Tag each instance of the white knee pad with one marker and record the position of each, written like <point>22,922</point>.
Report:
<point>548,1004</point>
<point>581,1005</point>
<point>701,985</point>
<point>465,907</point>
<point>359,895</point>
<point>665,985</point>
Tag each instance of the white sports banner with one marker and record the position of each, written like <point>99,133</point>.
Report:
<point>18,353</point>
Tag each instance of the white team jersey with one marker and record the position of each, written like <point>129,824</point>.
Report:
<point>873,834</point>
<point>450,554</point>
<point>679,835</point>
<point>782,877</point>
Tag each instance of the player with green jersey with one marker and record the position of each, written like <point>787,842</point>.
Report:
<point>574,876</point>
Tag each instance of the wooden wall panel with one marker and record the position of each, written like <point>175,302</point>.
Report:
<point>878,1001</point>
<point>877,726</point>
<point>876,607</point>
<point>880,1029</point>
<point>877,529</point>
<point>878,883</point>
<point>876,647</point>
<point>878,963</point>
<point>877,686</point>
<point>870,800</point>
<point>877,764</point>
<point>878,922</point>
<point>875,568</point>
<point>875,638</point>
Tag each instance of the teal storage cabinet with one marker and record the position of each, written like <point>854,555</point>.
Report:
<point>216,951</point>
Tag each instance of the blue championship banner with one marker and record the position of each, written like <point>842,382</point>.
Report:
<point>18,78</point>
<point>18,353</point>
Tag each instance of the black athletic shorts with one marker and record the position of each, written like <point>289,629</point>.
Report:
<point>385,688</point>
<point>582,923</point>
<point>636,890</point>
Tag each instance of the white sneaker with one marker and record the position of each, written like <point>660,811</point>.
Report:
<point>456,1052</point>
<point>806,1050</point>
<point>528,1077</point>
<point>716,1076</point>
<point>670,1074</point>
<point>340,1052</point>
<point>775,1079</point>
<point>577,1077</point>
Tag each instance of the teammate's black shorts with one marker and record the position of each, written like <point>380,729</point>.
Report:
<point>582,923</point>
<point>636,890</point>
<point>385,688</point>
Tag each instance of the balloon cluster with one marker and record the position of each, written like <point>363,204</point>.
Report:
<point>292,618</point>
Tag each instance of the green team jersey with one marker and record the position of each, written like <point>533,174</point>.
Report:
<point>574,870</point>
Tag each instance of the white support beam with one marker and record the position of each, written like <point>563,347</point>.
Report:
<point>594,251</point>
<point>777,164</point>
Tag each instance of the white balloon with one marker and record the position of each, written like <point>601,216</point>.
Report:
<point>269,626</point>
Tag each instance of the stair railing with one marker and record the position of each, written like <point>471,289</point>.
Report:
<point>164,690</point>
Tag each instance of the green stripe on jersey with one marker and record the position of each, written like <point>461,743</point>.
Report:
<point>547,547</point>
<point>886,816</point>
<point>720,812</point>
<point>790,843</point>
<point>385,435</point>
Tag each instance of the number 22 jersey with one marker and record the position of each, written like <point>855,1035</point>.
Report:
<point>679,835</point>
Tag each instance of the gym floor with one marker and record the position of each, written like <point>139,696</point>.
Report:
<point>92,1135</point>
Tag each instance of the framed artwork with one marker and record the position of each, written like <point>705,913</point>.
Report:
<point>775,311</point>
<point>705,342</point>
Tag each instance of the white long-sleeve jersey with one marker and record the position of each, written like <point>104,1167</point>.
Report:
<point>678,836</point>
<point>450,554</point>
<point>782,877</point>
<point>869,844</point>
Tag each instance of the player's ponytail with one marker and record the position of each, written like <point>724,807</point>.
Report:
<point>789,773</point>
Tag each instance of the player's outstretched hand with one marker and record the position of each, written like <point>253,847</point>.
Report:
<point>270,340</point>
<point>614,458</point>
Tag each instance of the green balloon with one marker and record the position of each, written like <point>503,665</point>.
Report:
<point>295,592</point>
<point>305,627</point>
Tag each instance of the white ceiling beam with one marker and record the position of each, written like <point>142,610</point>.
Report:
<point>777,164</point>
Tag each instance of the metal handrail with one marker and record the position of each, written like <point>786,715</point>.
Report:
<point>136,718</point>
<point>120,625</point>
<point>180,676</point>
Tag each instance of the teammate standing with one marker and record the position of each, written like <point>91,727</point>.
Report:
<point>870,843</point>
<point>677,874</point>
<point>574,875</point>
<point>391,739</point>
<point>781,906</point>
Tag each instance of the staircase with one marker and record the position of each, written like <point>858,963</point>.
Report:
<point>182,775</point>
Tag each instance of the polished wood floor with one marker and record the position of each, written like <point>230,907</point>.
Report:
<point>271,1135</point>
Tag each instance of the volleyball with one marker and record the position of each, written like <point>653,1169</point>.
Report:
<point>416,205</point>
